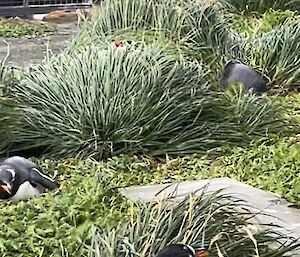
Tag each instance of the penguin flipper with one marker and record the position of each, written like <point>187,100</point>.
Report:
<point>38,177</point>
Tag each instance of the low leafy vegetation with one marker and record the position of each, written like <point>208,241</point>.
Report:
<point>262,6</point>
<point>257,24</point>
<point>274,168</point>
<point>18,28</point>
<point>59,223</point>
<point>262,166</point>
<point>62,222</point>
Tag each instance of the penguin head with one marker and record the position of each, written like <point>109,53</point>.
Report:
<point>231,62</point>
<point>200,250</point>
<point>182,250</point>
<point>7,177</point>
<point>117,43</point>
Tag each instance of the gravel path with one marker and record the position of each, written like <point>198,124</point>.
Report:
<point>30,51</point>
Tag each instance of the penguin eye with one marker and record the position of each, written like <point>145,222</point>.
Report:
<point>13,174</point>
<point>186,249</point>
<point>189,250</point>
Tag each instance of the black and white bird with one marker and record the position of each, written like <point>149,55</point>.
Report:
<point>182,250</point>
<point>125,44</point>
<point>21,179</point>
<point>237,72</point>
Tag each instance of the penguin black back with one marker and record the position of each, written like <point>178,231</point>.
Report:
<point>235,72</point>
<point>177,250</point>
<point>183,250</point>
<point>21,179</point>
<point>27,170</point>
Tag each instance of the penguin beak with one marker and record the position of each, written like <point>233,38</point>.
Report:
<point>7,188</point>
<point>202,253</point>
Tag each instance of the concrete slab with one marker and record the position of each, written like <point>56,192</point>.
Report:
<point>25,52</point>
<point>261,202</point>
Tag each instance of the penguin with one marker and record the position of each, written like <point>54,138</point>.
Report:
<point>235,71</point>
<point>182,250</point>
<point>21,179</point>
<point>117,43</point>
<point>124,44</point>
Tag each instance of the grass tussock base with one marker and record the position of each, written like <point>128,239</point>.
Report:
<point>216,221</point>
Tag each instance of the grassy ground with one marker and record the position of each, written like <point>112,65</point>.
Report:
<point>62,223</point>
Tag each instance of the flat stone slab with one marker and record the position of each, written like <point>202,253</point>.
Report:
<point>261,202</point>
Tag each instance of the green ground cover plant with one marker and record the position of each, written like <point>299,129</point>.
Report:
<point>19,28</point>
<point>261,6</point>
<point>261,166</point>
<point>59,223</point>
<point>260,23</point>
<point>63,222</point>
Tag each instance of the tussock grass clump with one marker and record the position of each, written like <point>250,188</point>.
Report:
<point>191,26</point>
<point>254,115</point>
<point>10,113</point>
<point>219,222</point>
<point>113,17</point>
<point>278,53</point>
<point>193,30</point>
<point>107,102</point>
<point>7,78</point>
<point>10,122</point>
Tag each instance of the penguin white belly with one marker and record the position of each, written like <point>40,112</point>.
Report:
<point>25,191</point>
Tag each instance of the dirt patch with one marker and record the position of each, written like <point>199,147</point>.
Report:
<point>25,52</point>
